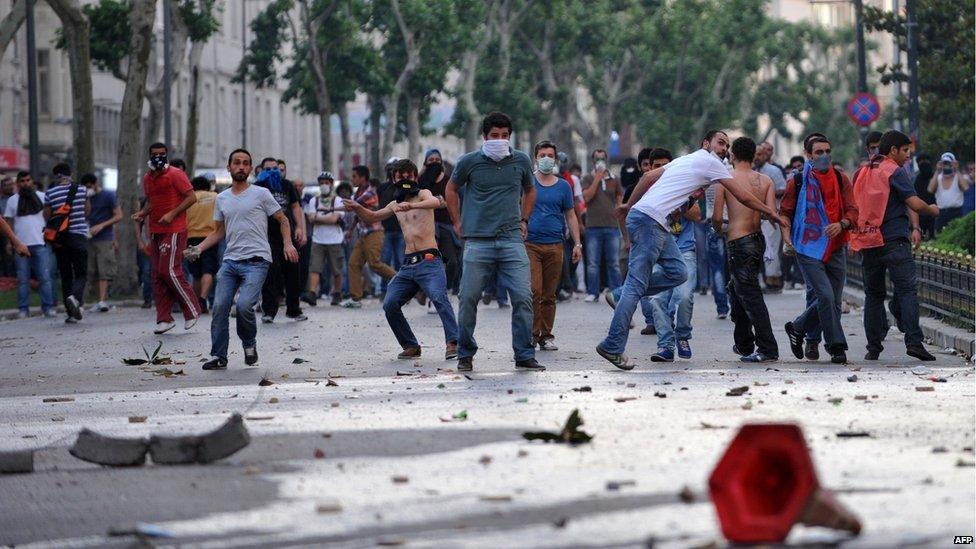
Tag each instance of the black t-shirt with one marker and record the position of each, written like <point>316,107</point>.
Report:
<point>285,197</point>
<point>896,225</point>
<point>386,193</point>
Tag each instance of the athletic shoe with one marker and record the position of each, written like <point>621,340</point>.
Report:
<point>250,356</point>
<point>23,314</point>
<point>163,327</point>
<point>736,350</point>
<point>102,307</point>
<point>310,298</point>
<point>73,307</point>
<point>723,316</point>
<point>610,299</point>
<point>796,340</point>
<point>298,318</point>
<point>146,304</point>
<point>465,364</point>
<point>190,323</point>
<point>649,330</point>
<point>839,357</point>
<point>620,361</point>
<point>812,350</point>
<point>50,313</point>
<point>351,304</point>
<point>450,353</point>
<point>529,365</point>
<point>215,364</point>
<point>758,357</point>
<point>336,300</point>
<point>409,353</point>
<point>204,306</point>
<point>71,320</point>
<point>920,353</point>
<point>267,319</point>
<point>563,295</point>
<point>590,298</point>
<point>684,349</point>
<point>872,355</point>
<point>663,355</point>
<point>547,345</point>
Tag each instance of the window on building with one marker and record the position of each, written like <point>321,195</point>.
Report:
<point>44,81</point>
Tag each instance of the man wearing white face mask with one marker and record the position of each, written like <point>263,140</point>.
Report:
<point>494,225</point>
<point>325,213</point>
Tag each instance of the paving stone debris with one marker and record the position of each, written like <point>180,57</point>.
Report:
<point>16,461</point>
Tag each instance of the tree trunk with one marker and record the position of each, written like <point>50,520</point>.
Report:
<point>76,34</point>
<point>343,111</point>
<point>325,135</point>
<point>392,102</point>
<point>154,93</point>
<point>413,127</point>
<point>193,107</point>
<point>141,19</point>
<point>472,126</point>
<point>11,24</point>
<point>375,112</point>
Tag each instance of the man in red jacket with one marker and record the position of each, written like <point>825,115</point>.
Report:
<point>168,195</point>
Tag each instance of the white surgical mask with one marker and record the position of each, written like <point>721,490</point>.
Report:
<point>496,149</point>
<point>546,164</point>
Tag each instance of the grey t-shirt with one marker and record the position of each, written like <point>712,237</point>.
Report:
<point>492,194</point>
<point>245,218</point>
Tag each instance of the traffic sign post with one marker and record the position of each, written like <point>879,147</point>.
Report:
<point>863,109</point>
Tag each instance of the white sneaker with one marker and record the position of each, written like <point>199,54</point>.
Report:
<point>102,307</point>
<point>163,327</point>
<point>23,314</point>
<point>351,304</point>
<point>190,323</point>
<point>590,298</point>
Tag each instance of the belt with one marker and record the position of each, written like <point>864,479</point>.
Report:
<point>750,236</point>
<point>422,255</point>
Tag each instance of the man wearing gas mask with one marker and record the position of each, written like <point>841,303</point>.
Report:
<point>422,269</point>
<point>168,195</point>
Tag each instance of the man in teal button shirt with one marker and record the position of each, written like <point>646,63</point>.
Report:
<point>494,224</point>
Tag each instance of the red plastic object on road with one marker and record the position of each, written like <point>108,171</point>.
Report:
<point>765,483</point>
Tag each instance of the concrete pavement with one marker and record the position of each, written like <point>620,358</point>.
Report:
<point>396,467</point>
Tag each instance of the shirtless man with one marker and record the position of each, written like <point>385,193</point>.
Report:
<point>423,269</point>
<point>746,245</point>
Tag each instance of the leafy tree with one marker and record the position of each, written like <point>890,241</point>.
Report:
<point>945,71</point>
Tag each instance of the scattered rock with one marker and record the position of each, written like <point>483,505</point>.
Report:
<point>501,498</point>
<point>624,399</point>
<point>583,389</point>
<point>835,401</point>
<point>614,485</point>
<point>299,361</point>
<point>318,453</point>
<point>16,461</point>
<point>686,495</point>
<point>852,378</point>
<point>660,395</point>
<point>925,389</point>
<point>137,419</point>
<point>265,382</point>
<point>939,450</point>
<point>853,434</point>
<point>737,391</point>
<point>325,508</point>
<point>59,399</point>
<point>400,479</point>
<point>485,460</point>
<point>115,452</point>
<point>220,443</point>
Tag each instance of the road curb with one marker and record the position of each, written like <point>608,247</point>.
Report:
<point>942,335</point>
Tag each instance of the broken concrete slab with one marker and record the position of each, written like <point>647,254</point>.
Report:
<point>115,452</point>
<point>225,441</point>
<point>16,461</point>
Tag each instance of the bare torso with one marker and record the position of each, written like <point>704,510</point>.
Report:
<point>743,220</point>
<point>417,226</point>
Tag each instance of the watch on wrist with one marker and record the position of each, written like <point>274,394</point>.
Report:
<point>917,228</point>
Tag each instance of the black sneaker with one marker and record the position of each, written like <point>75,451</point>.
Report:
<point>840,357</point>
<point>648,330</point>
<point>758,357</point>
<point>872,355</point>
<point>530,365</point>
<point>336,299</point>
<point>73,307</point>
<point>215,364</point>
<point>309,297</point>
<point>920,353</point>
<point>740,352</point>
<point>796,340</point>
<point>465,364</point>
<point>620,361</point>
<point>298,318</point>
<point>812,351</point>
<point>250,356</point>
<point>204,306</point>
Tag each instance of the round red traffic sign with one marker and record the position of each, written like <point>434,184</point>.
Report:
<point>863,109</point>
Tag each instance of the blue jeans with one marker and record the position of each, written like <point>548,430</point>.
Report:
<point>246,278</point>
<point>483,258</point>
<point>701,250</point>
<point>430,277</point>
<point>677,303</point>
<point>40,263</point>
<point>827,283</point>
<point>602,244</point>
<point>715,249</point>
<point>392,253</point>
<point>651,245</point>
<point>145,275</point>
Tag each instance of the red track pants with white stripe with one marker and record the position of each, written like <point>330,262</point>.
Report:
<point>169,282</point>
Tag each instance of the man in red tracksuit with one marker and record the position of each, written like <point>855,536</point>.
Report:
<point>168,195</point>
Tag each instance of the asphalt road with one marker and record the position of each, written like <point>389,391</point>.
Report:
<point>396,466</point>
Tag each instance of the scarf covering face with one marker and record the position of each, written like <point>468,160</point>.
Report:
<point>271,178</point>
<point>28,203</point>
<point>406,188</point>
<point>818,204</point>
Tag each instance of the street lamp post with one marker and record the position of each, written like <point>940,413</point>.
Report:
<point>32,92</point>
<point>862,70</point>
<point>913,129</point>
<point>244,79</point>
<point>167,75</point>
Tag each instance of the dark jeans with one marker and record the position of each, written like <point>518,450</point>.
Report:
<point>896,259</point>
<point>826,281</point>
<point>946,216</point>
<point>72,257</point>
<point>449,246</point>
<point>283,275</point>
<point>145,275</point>
<point>568,281</point>
<point>429,277</point>
<point>717,267</point>
<point>749,313</point>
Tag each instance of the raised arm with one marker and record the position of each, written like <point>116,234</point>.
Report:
<point>367,215</point>
<point>933,183</point>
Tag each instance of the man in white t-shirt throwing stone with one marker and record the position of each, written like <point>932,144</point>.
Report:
<point>660,192</point>
<point>241,214</point>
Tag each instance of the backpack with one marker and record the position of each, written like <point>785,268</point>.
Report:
<point>871,188</point>
<point>57,225</point>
